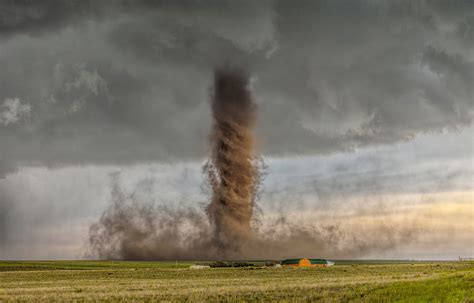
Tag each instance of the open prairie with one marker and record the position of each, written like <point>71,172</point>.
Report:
<point>367,281</point>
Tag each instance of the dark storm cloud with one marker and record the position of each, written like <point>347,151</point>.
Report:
<point>37,17</point>
<point>128,81</point>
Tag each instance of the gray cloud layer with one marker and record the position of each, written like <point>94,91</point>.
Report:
<point>127,81</point>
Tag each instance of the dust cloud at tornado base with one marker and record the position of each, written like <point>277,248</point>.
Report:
<point>230,226</point>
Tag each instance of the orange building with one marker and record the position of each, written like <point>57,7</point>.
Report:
<point>304,262</point>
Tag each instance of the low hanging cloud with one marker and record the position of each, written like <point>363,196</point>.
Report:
<point>12,110</point>
<point>111,82</point>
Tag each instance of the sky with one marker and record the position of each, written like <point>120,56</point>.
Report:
<point>364,118</point>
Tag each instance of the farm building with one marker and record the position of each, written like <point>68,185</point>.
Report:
<point>303,262</point>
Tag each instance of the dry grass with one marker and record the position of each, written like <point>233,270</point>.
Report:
<point>161,281</point>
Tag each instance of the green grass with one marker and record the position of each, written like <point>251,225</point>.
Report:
<point>164,281</point>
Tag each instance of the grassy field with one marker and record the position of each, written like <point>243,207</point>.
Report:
<point>168,281</point>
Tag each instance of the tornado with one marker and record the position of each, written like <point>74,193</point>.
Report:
<point>134,229</point>
<point>232,170</point>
